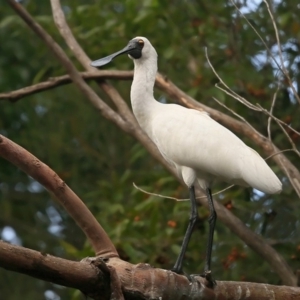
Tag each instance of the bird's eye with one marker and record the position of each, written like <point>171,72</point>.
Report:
<point>141,42</point>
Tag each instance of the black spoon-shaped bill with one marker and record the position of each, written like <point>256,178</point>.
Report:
<point>107,59</point>
<point>134,49</point>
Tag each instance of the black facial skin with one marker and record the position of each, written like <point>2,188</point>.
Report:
<point>137,46</point>
<point>134,49</point>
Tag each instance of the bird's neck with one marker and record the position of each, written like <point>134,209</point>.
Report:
<point>142,99</point>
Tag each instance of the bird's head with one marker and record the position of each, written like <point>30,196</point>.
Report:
<point>138,49</point>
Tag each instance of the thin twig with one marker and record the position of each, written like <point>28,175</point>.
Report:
<point>229,91</point>
<point>234,95</point>
<point>234,113</point>
<point>251,106</point>
<point>279,152</point>
<point>260,37</point>
<point>242,100</point>
<point>178,199</point>
<point>283,68</point>
<point>271,114</point>
<point>279,122</point>
<point>61,80</point>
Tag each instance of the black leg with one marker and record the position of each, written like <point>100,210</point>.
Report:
<point>193,218</point>
<point>212,222</point>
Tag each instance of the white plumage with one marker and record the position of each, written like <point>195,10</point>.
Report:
<point>199,148</point>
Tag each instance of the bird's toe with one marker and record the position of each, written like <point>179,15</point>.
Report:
<point>211,283</point>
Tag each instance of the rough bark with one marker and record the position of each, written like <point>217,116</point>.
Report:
<point>117,279</point>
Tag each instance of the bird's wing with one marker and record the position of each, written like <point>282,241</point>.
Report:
<point>191,138</point>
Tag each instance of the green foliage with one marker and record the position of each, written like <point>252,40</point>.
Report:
<point>100,163</point>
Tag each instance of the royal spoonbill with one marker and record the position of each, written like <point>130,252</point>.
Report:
<point>200,149</point>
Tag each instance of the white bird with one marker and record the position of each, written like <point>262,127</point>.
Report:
<point>200,149</point>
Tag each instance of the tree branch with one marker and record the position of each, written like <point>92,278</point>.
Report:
<point>84,277</point>
<point>54,82</point>
<point>28,163</point>
<point>137,281</point>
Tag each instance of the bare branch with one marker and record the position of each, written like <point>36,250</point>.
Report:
<point>61,80</point>
<point>245,102</point>
<point>271,113</point>
<point>177,199</point>
<point>279,122</point>
<point>234,113</point>
<point>228,90</point>
<point>32,166</point>
<point>276,153</point>
<point>122,75</point>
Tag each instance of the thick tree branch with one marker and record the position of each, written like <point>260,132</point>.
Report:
<point>85,277</point>
<point>28,163</point>
<point>136,281</point>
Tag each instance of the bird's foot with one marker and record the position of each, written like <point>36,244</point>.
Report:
<point>94,259</point>
<point>180,272</point>
<point>211,283</point>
